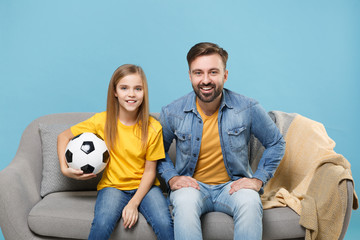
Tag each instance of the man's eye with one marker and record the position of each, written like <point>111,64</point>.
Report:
<point>213,72</point>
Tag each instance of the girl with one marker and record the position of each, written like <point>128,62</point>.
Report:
<point>135,143</point>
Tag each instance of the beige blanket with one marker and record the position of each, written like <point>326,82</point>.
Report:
<point>309,180</point>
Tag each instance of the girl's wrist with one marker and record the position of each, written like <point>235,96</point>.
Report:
<point>134,202</point>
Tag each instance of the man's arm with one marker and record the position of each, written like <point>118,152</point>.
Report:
<point>165,167</point>
<point>269,135</point>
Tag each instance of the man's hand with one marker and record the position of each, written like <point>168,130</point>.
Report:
<point>77,174</point>
<point>178,182</point>
<point>246,183</point>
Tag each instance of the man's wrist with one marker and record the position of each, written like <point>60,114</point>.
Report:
<point>171,180</point>
<point>258,182</point>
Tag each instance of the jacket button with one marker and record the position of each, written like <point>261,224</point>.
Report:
<point>197,139</point>
<point>194,155</point>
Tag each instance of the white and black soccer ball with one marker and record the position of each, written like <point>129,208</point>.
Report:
<point>87,152</point>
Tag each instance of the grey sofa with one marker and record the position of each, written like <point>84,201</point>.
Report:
<point>31,208</point>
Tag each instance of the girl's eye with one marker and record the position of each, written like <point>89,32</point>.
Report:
<point>138,89</point>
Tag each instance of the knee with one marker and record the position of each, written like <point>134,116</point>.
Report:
<point>186,200</point>
<point>166,225</point>
<point>248,201</point>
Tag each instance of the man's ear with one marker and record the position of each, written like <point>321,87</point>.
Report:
<point>226,75</point>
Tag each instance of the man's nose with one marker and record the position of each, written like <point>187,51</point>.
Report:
<point>206,79</point>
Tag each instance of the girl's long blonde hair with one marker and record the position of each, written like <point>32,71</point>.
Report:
<point>112,107</point>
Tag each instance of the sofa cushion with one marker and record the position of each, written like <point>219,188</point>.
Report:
<point>52,178</point>
<point>69,215</point>
<point>282,223</point>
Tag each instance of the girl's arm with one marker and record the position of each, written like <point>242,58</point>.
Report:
<point>62,141</point>
<point>130,213</point>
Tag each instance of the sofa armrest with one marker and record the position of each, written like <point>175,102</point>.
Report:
<point>350,192</point>
<point>19,190</point>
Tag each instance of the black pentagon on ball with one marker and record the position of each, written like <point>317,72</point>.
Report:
<point>87,147</point>
<point>87,168</point>
<point>106,157</point>
<point>68,156</point>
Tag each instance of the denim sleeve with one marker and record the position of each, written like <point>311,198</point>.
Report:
<point>269,135</point>
<point>165,166</point>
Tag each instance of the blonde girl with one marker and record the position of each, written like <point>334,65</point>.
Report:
<point>134,138</point>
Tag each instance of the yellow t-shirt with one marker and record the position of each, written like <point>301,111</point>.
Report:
<point>127,160</point>
<point>210,167</point>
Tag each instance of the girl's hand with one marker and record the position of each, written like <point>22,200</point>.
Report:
<point>130,215</point>
<point>77,174</point>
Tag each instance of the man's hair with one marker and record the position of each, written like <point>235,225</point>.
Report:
<point>206,48</point>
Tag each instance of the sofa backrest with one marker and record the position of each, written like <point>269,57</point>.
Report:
<point>31,144</point>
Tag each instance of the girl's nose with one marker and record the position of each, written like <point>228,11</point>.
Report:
<point>131,93</point>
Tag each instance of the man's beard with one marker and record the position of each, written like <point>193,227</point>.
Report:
<point>207,97</point>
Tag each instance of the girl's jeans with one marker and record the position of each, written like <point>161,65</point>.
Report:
<point>110,203</point>
<point>189,204</point>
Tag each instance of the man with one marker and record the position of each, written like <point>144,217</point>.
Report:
<point>212,127</point>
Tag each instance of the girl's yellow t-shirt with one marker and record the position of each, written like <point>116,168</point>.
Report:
<point>127,160</point>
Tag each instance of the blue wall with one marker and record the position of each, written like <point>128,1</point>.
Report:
<point>296,56</point>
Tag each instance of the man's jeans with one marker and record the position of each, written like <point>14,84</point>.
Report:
<point>110,203</point>
<point>244,206</point>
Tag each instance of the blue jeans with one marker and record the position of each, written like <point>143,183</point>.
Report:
<point>110,203</point>
<point>189,204</point>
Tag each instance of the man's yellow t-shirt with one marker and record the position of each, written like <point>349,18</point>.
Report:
<point>127,160</point>
<point>210,167</point>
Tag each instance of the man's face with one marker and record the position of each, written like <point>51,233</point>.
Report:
<point>208,75</point>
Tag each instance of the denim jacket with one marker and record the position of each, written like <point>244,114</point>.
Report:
<point>238,118</point>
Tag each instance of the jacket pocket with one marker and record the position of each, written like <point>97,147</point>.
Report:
<point>237,140</point>
<point>183,142</point>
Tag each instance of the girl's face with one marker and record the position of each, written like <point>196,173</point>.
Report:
<point>130,94</point>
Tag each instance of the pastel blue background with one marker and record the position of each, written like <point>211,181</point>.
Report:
<point>292,55</point>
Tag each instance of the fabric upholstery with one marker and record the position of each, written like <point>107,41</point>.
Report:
<point>69,215</point>
<point>52,178</point>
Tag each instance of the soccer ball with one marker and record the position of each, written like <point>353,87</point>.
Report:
<point>87,152</point>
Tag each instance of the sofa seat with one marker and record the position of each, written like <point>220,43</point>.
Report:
<point>69,215</point>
